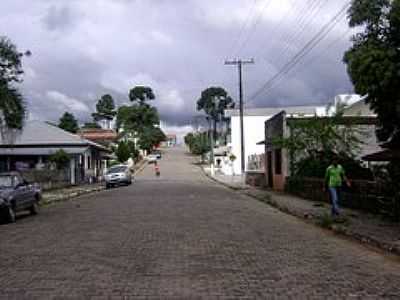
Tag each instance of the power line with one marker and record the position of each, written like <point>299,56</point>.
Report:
<point>244,26</point>
<point>311,60</point>
<point>305,21</point>
<point>285,16</point>
<point>304,51</point>
<point>253,28</point>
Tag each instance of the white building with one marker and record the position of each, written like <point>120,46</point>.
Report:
<point>253,126</point>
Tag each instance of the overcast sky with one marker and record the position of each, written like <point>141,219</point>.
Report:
<point>83,49</point>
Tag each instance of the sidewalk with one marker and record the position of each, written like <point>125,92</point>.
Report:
<point>58,195</point>
<point>363,227</point>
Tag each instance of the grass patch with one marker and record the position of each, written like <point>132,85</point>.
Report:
<point>325,221</point>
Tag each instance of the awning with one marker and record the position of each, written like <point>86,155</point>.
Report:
<point>37,151</point>
<point>261,143</point>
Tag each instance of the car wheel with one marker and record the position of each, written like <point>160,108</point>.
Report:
<point>10,215</point>
<point>34,208</point>
<point>108,186</point>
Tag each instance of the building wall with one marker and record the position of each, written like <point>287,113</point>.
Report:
<point>276,167</point>
<point>253,133</point>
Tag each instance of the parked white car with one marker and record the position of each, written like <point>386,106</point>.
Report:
<point>117,175</point>
<point>151,158</point>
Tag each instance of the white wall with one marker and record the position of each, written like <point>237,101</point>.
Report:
<point>253,133</point>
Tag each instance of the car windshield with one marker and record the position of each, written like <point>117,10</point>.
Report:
<point>5,181</point>
<point>118,169</point>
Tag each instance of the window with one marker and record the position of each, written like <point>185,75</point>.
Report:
<point>278,161</point>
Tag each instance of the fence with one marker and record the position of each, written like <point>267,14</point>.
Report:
<point>363,195</point>
<point>48,179</point>
<point>256,162</point>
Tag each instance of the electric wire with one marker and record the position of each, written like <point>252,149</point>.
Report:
<point>309,46</point>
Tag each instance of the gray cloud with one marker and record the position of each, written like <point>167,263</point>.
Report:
<point>82,49</point>
<point>59,18</point>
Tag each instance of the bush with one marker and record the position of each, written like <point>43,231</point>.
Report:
<point>122,152</point>
<point>60,158</point>
<point>317,165</point>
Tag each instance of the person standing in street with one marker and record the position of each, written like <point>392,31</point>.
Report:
<point>157,169</point>
<point>334,178</point>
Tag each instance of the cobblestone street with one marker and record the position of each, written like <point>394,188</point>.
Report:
<point>183,236</point>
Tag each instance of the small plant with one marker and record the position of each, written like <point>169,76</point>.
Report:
<point>325,221</point>
<point>232,157</point>
<point>60,158</point>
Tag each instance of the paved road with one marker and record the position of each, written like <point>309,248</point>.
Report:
<point>183,237</point>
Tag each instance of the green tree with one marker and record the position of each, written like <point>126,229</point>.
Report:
<point>135,118</point>
<point>105,108</point>
<point>189,139</point>
<point>123,152</point>
<point>60,158</point>
<point>68,123</point>
<point>91,125</point>
<point>374,61</point>
<point>314,141</point>
<point>12,106</point>
<point>134,153</point>
<point>198,143</point>
<point>141,94</point>
<point>373,64</point>
<point>151,137</point>
<point>213,102</point>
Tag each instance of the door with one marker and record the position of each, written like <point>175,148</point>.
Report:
<point>270,170</point>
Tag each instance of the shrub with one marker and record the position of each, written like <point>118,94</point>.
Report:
<point>60,158</point>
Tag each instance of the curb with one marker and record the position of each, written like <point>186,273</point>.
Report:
<point>141,168</point>
<point>338,230</point>
<point>71,195</point>
<point>235,188</point>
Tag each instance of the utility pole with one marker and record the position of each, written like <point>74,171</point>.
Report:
<point>239,63</point>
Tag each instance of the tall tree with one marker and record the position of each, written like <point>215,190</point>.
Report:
<point>122,152</point>
<point>136,118</point>
<point>141,94</point>
<point>68,122</point>
<point>213,102</point>
<point>151,137</point>
<point>373,64</point>
<point>105,108</point>
<point>12,106</point>
<point>374,61</point>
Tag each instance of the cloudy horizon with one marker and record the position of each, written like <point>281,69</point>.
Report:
<point>84,49</point>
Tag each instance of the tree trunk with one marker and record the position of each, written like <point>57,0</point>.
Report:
<point>215,131</point>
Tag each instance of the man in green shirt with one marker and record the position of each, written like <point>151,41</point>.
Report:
<point>334,177</point>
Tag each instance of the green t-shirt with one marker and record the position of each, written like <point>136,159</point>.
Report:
<point>334,175</point>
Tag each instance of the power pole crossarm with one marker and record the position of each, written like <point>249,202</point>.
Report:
<point>240,63</point>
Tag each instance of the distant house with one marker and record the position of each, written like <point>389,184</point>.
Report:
<point>253,124</point>
<point>171,140</point>
<point>38,140</point>
<point>101,136</point>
